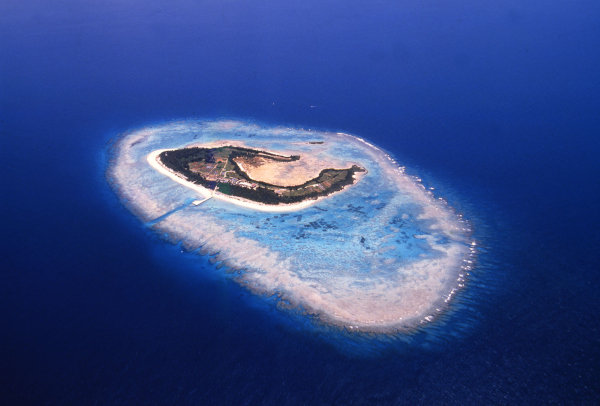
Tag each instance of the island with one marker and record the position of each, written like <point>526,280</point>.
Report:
<point>254,175</point>
<point>326,225</point>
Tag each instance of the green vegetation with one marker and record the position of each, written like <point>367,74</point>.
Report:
<point>217,168</point>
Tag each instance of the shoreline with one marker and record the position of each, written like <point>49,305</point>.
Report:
<point>152,159</point>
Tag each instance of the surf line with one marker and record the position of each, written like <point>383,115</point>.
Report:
<point>191,202</point>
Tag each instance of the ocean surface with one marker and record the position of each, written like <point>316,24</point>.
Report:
<point>494,104</point>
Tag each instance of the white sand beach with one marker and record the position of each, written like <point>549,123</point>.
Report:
<point>153,160</point>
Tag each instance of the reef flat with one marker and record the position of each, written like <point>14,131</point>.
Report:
<point>345,234</point>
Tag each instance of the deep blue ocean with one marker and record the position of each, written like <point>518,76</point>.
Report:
<point>496,104</point>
